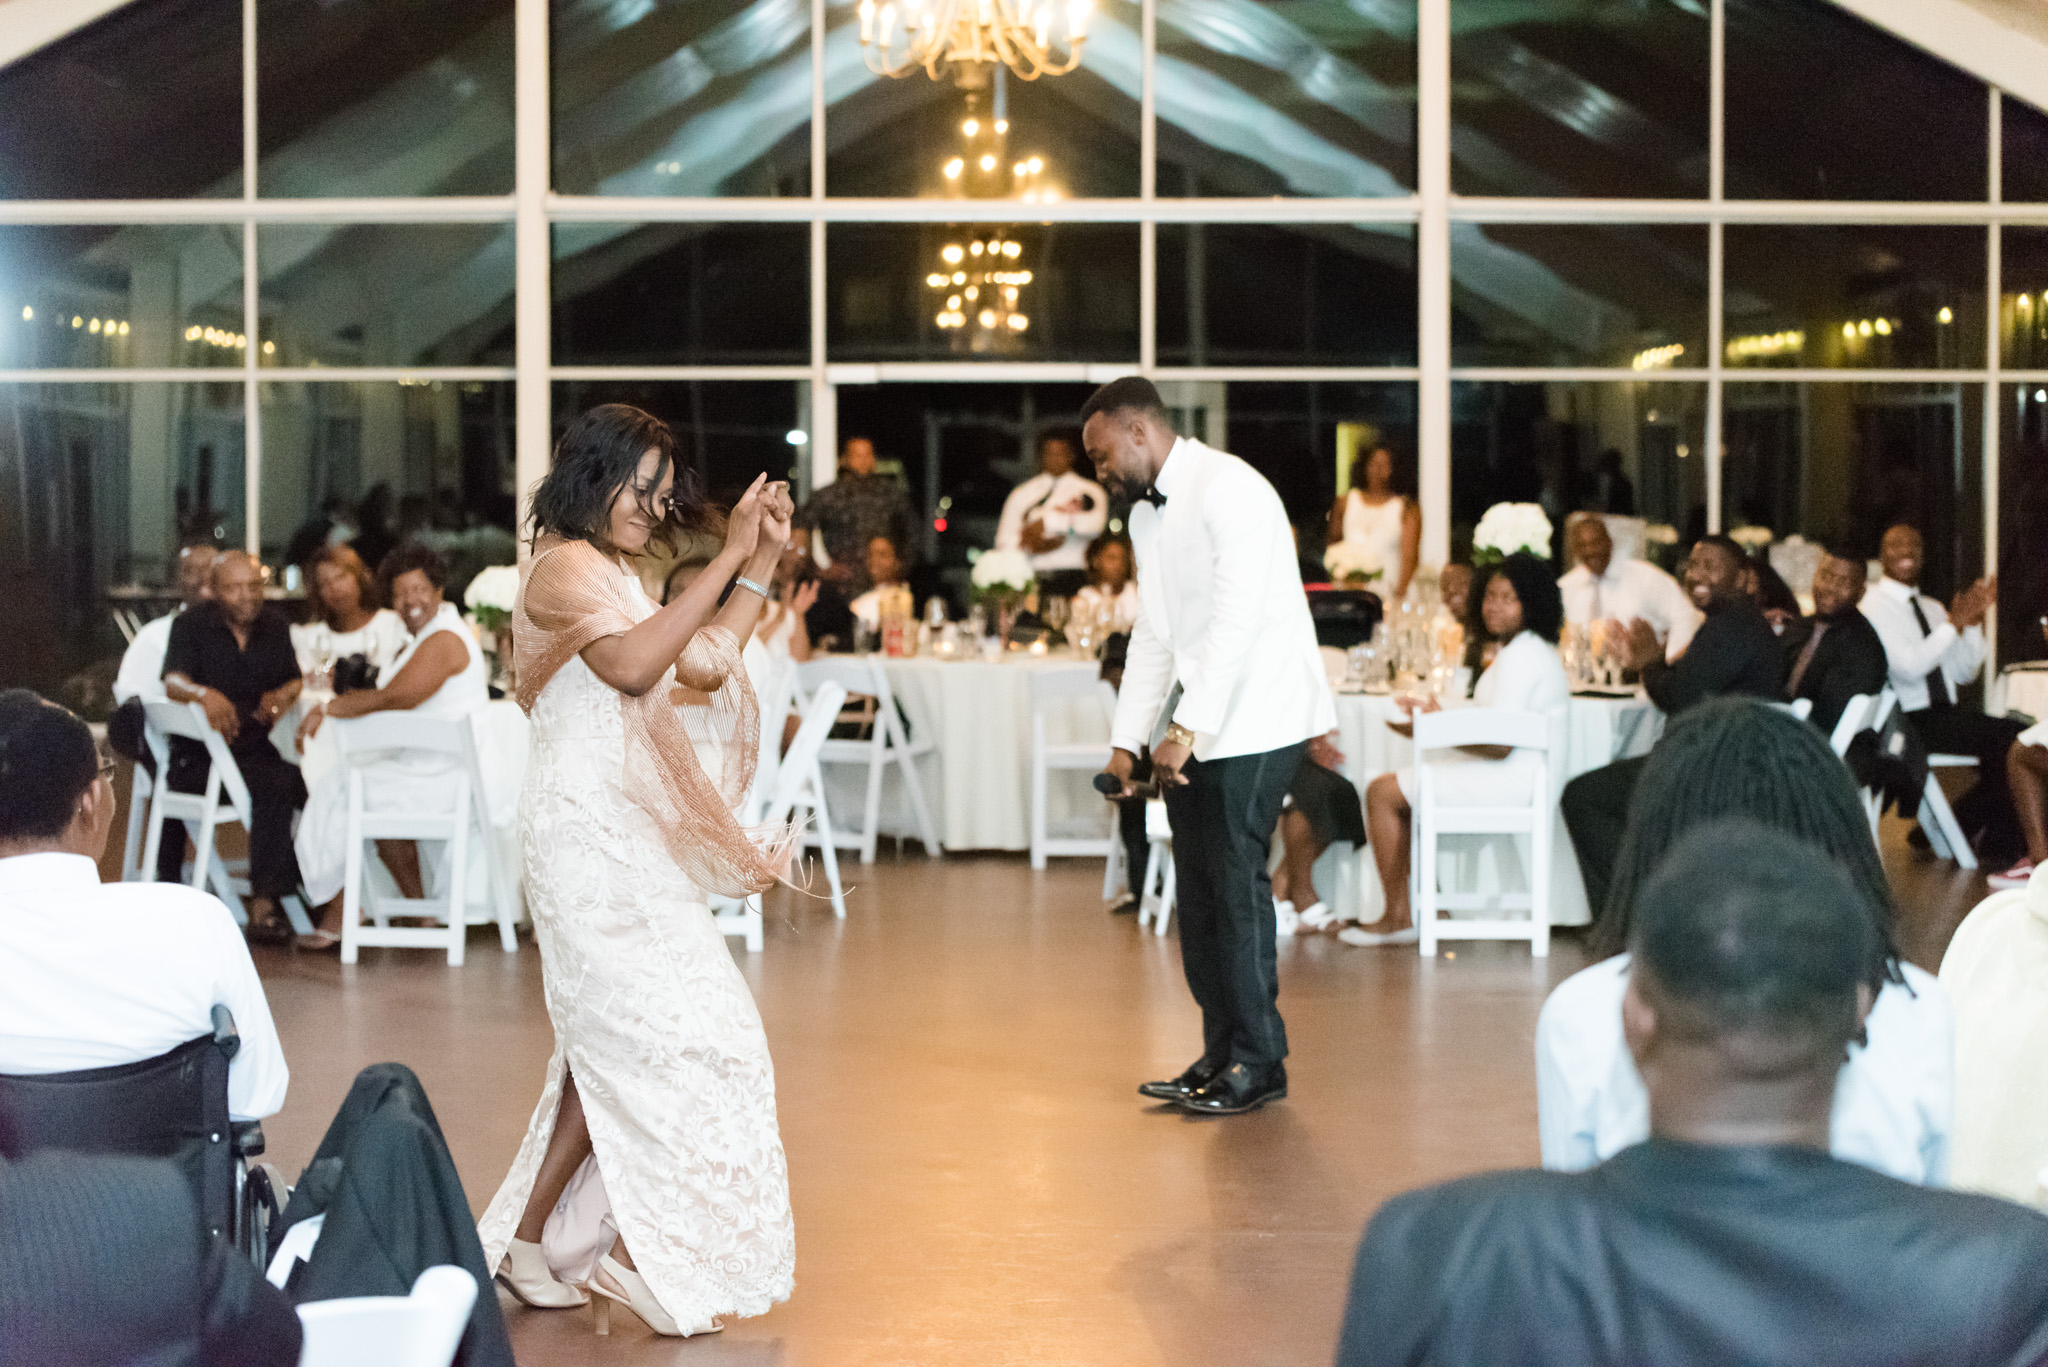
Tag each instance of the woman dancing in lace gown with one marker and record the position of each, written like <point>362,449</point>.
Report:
<point>655,1136</point>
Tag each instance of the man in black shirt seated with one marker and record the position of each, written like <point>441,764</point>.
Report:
<point>1730,1235</point>
<point>1835,654</point>
<point>1734,651</point>
<point>233,656</point>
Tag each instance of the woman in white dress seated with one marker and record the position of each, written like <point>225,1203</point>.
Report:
<point>1894,1097</point>
<point>1111,593</point>
<point>1521,608</point>
<point>440,672</point>
<point>347,620</point>
<point>1375,515</point>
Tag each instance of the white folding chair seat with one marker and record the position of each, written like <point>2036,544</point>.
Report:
<point>885,745</point>
<point>420,1330</point>
<point>1540,733</point>
<point>799,793</point>
<point>359,741</point>
<point>225,802</point>
<point>1049,688</point>
<point>1156,893</point>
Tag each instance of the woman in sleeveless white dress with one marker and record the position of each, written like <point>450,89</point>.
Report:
<point>439,672</point>
<point>1386,524</point>
<point>652,1174</point>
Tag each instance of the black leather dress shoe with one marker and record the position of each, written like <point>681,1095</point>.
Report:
<point>1236,1090</point>
<point>1181,1088</point>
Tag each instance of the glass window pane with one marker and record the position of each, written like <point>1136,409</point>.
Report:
<point>707,98</point>
<point>1612,295</point>
<point>1562,444</point>
<point>730,430</point>
<point>99,486</point>
<point>1058,137</point>
<point>1861,297</point>
<point>682,294</point>
<point>348,111</point>
<point>2023,303</point>
<point>121,296</point>
<point>1579,99</point>
<point>144,103</point>
<point>1232,294</point>
<point>386,294</point>
<point>1295,434</point>
<point>1300,97</point>
<point>386,462</point>
<point>1840,462</point>
<point>1822,105</point>
<point>2022,512</point>
<point>901,292</point>
<point>2023,140</point>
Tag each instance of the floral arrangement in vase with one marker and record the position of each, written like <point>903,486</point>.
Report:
<point>489,599</point>
<point>1510,527</point>
<point>1351,565</point>
<point>1001,579</point>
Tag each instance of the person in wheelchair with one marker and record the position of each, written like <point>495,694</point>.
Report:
<point>105,974</point>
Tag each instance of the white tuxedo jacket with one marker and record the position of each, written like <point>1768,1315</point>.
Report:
<point>1220,611</point>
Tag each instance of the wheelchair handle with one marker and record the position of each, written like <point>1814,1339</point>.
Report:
<point>225,1037</point>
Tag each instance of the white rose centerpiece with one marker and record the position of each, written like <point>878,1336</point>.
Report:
<point>1508,528</point>
<point>490,596</point>
<point>1351,565</point>
<point>1002,574</point>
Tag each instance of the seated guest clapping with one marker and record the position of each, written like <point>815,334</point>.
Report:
<point>1730,1236</point>
<point>1110,593</point>
<point>1521,608</point>
<point>349,631</point>
<point>102,974</point>
<point>439,673</point>
<point>1739,758</point>
<point>1835,654</point>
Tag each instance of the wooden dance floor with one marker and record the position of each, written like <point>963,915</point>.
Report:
<point>975,1181</point>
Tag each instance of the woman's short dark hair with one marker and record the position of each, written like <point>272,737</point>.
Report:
<point>47,760</point>
<point>1739,757</point>
<point>599,454</point>
<point>1105,541</point>
<point>408,556</point>
<point>1542,604</point>
<point>344,558</point>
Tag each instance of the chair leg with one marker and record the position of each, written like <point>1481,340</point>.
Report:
<point>1422,863</point>
<point>1038,799</point>
<point>457,851</point>
<point>1113,864</point>
<point>1945,829</point>
<point>352,893</point>
<point>1166,896</point>
<point>755,938</point>
<point>827,843</point>
<point>874,815</point>
<point>914,786</point>
<point>138,794</point>
<point>152,842</point>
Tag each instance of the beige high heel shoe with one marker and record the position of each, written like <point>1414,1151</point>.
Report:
<point>615,1283</point>
<point>526,1274</point>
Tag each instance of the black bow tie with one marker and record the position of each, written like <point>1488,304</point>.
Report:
<point>1153,496</point>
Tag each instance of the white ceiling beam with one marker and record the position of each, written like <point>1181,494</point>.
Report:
<point>28,25</point>
<point>2001,42</point>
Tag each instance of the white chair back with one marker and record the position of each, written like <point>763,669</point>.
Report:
<point>1543,735</point>
<point>420,1330</point>
<point>1854,721</point>
<point>1051,688</point>
<point>162,720</point>
<point>886,744</point>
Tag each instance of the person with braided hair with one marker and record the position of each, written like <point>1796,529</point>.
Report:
<point>1736,757</point>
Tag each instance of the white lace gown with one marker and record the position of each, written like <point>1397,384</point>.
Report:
<point>655,1023</point>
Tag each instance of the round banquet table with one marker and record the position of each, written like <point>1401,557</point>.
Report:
<point>977,775</point>
<point>2020,690</point>
<point>1599,730</point>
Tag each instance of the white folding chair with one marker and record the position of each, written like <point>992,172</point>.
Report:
<point>224,802</point>
<point>886,745</point>
<point>1543,735</point>
<point>128,622</point>
<point>139,790</point>
<point>1944,833</point>
<point>1857,717</point>
<point>799,794</point>
<point>420,1330</point>
<point>1050,687</point>
<point>361,740</point>
<point>1156,894</point>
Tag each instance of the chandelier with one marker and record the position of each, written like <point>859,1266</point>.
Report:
<point>899,36</point>
<point>979,283</point>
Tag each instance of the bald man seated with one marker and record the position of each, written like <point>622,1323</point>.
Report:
<point>233,656</point>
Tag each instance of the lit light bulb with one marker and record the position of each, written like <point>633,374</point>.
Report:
<point>77,321</point>
<point>1849,331</point>
<point>1863,329</point>
<point>270,348</point>
<point>1077,19</point>
<point>1002,125</point>
<point>796,436</point>
<point>976,248</point>
<point>952,254</point>
<point>28,314</point>
<point>1018,322</point>
<point>867,21</point>
<point>971,127</point>
<point>1010,294</point>
<point>1035,165</point>
<point>124,327</point>
<point>2024,301</point>
<point>954,168</point>
<point>959,277</point>
<point>1025,278</point>
<point>1947,315</point>
<point>888,23</point>
<point>953,302</point>
<point>1011,249</point>
<point>1018,169</point>
<point>973,292</point>
<point>193,333</point>
<point>1883,327</point>
<point>94,326</point>
<point>2041,396</point>
<point>988,161</point>
<point>987,318</point>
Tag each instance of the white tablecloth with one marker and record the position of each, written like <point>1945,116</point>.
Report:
<point>1599,731</point>
<point>977,778</point>
<point>2021,688</point>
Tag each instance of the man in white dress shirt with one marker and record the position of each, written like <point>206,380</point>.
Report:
<point>100,974</point>
<point>1600,588</point>
<point>142,665</point>
<point>1224,657</point>
<point>1052,517</point>
<point>1932,653</point>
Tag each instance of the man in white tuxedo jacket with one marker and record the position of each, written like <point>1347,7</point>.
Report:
<point>1223,658</point>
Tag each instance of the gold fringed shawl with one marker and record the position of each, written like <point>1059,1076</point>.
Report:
<point>571,594</point>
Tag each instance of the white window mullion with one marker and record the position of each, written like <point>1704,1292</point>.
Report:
<point>252,326</point>
<point>1433,275</point>
<point>1717,109</point>
<point>533,416</point>
<point>1993,358</point>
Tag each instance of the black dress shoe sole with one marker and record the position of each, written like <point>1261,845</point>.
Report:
<point>1165,1091</point>
<point>1250,1103</point>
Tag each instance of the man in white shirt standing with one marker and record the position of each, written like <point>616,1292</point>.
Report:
<point>101,974</point>
<point>142,665</point>
<point>1600,588</point>
<point>1931,653</point>
<point>1224,658</point>
<point>1052,517</point>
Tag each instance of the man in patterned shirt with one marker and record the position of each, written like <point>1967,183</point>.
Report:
<point>847,514</point>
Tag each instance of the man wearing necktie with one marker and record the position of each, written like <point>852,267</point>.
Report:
<point>1835,654</point>
<point>1223,656</point>
<point>1931,652</point>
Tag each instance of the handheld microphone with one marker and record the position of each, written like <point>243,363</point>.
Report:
<point>1107,785</point>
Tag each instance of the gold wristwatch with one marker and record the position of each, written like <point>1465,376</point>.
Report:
<point>1176,734</point>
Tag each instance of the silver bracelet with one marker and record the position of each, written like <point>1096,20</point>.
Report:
<point>742,581</point>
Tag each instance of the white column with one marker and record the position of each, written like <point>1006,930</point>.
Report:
<point>1994,286</point>
<point>1717,49</point>
<point>252,322</point>
<point>1433,275</point>
<point>824,433</point>
<point>533,417</point>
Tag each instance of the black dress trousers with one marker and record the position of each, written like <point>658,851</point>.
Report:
<point>1223,819</point>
